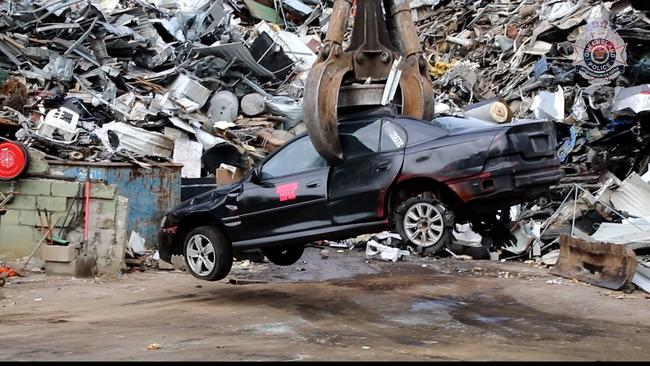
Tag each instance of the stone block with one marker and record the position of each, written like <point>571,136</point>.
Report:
<point>5,187</point>
<point>30,218</point>
<point>60,268</point>
<point>18,241</point>
<point>52,203</point>
<point>99,207</point>
<point>104,221</point>
<point>11,217</point>
<point>23,202</point>
<point>100,190</point>
<point>40,187</point>
<point>58,253</point>
<point>66,189</point>
<point>121,239</point>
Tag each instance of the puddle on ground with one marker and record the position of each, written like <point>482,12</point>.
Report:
<point>272,328</point>
<point>424,304</point>
<point>491,319</point>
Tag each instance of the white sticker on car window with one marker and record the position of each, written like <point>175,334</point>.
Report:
<point>394,136</point>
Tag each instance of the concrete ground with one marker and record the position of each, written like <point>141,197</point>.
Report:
<point>340,308</point>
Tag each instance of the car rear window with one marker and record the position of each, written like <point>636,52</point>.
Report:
<point>359,138</point>
<point>392,137</point>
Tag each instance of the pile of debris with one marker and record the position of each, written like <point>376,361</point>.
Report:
<point>213,82</point>
<point>515,59</point>
<point>219,83</point>
<point>201,83</point>
<point>518,59</point>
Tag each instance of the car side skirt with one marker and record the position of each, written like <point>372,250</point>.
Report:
<point>327,233</point>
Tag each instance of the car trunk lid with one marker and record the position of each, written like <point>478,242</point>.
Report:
<point>533,140</point>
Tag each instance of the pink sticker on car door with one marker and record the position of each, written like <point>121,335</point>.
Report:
<point>287,192</point>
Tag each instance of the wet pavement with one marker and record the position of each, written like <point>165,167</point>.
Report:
<point>340,308</point>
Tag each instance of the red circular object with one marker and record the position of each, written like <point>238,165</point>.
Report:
<point>13,160</point>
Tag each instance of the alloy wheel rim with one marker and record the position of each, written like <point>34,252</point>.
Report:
<point>200,255</point>
<point>424,224</point>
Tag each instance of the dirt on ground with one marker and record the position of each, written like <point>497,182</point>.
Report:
<point>344,307</point>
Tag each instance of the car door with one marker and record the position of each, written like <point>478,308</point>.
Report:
<point>373,155</point>
<point>290,194</point>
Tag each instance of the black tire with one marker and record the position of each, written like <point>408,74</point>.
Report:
<point>284,256</point>
<point>221,258</point>
<point>447,223</point>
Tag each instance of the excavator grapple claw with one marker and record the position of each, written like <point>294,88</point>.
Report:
<point>384,36</point>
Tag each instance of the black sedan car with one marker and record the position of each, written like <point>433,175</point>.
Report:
<point>417,177</point>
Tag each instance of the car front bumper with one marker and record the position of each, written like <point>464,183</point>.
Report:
<point>166,245</point>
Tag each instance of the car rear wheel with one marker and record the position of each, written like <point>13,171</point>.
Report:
<point>424,223</point>
<point>208,253</point>
<point>284,256</point>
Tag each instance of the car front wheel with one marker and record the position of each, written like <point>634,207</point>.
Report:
<point>284,256</point>
<point>208,253</point>
<point>424,223</point>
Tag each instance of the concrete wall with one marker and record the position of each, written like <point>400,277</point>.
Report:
<point>20,227</point>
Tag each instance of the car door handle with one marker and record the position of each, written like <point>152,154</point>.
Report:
<point>383,167</point>
<point>314,184</point>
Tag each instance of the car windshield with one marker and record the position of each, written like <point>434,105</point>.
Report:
<point>452,124</point>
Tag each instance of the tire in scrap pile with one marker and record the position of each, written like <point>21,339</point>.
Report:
<point>14,160</point>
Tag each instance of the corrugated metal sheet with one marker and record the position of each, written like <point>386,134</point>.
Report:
<point>633,196</point>
<point>151,193</point>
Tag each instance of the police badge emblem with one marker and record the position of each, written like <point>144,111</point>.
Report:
<point>600,52</point>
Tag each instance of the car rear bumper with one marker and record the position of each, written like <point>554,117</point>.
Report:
<point>509,183</point>
<point>538,178</point>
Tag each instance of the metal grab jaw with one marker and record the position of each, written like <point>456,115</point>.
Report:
<point>357,76</point>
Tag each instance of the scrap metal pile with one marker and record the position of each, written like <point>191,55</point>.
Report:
<point>506,60</point>
<point>202,83</point>
<point>212,82</point>
<point>217,81</point>
<point>521,55</point>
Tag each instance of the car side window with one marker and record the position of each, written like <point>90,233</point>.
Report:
<point>359,138</point>
<point>298,157</point>
<point>392,137</point>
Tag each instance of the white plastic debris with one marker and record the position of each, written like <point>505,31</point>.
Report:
<point>463,234</point>
<point>547,105</point>
<point>62,120</point>
<point>136,243</point>
<point>386,253</point>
